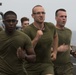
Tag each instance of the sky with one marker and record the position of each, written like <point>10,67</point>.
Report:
<point>24,8</point>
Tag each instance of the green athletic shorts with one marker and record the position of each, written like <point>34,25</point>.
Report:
<point>40,69</point>
<point>65,69</point>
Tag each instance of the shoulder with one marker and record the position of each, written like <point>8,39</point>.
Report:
<point>28,29</point>
<point>68,30</point>
<point>21,33</point>
<point>49,24</point>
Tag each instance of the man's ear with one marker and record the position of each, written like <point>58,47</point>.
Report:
<point>16,21</point>
<point>32,15</point>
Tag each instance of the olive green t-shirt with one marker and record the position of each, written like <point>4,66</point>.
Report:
<point>9,62</point>
<point>42,49</point>
<point>64,38</point>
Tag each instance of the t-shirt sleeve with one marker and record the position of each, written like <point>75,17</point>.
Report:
<point>28,43</point>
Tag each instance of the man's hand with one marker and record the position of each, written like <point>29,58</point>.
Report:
<point>39,34</point>
<point>63,48</point>
<point>53,55</point>
<point>20,53</point>
<point>73,53</point>
<point>73,50</point>
<point>29,56</point>
<point>37,37</point>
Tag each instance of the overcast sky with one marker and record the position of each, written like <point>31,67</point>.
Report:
<point>24,7</point>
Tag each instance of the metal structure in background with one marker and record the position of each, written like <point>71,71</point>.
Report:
<point>73,47</point>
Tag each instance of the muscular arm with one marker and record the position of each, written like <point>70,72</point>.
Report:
<point>28,54</point>
<point>63,48</point>
<point>55,45</point>
<point>38,36</point>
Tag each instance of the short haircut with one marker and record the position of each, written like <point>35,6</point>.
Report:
<point>24,19</point>
<point>34,7</point>
<point>9,13</point>
<point>61,9</point>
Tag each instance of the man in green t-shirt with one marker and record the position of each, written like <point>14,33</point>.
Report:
<point>63,65</point>
<point>12,43</point>
<point>42,35</point>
